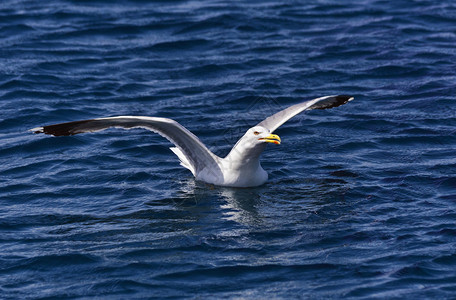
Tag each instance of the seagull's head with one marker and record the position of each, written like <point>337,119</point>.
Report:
<point>251,145</point>
<point>260,135</point>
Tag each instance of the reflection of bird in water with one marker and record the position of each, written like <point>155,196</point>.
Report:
<point>240,168</point>
<point>241,205</point>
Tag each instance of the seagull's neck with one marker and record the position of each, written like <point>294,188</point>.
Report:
<point>242,157</point>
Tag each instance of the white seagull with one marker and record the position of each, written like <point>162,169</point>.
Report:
<point>240,168</point>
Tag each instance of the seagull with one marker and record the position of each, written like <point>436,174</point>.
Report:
<point>240,168</point>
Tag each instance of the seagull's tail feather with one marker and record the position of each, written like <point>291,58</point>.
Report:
<point>183,160</point>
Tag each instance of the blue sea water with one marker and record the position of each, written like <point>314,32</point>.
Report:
<point>361,199</point>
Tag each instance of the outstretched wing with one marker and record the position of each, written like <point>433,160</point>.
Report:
<point>276,120</point>
<point>193,150</point>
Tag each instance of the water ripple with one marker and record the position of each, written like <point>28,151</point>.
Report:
<point>360,199</point>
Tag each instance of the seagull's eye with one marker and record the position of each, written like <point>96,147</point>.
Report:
<point>256,133</point>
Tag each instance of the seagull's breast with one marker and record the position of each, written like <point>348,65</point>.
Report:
<point>233,174</point>
<point>245,178</point>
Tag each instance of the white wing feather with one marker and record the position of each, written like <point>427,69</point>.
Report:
<point>276,120</point>
<point>192,152</point>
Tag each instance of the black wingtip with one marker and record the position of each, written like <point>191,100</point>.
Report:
<point>62,129</point>
<point>344,98</point>
<point>334,101</point>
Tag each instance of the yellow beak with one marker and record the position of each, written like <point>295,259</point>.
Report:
<point>272,138</point>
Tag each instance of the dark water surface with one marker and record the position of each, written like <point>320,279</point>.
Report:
<point>361,199</point>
